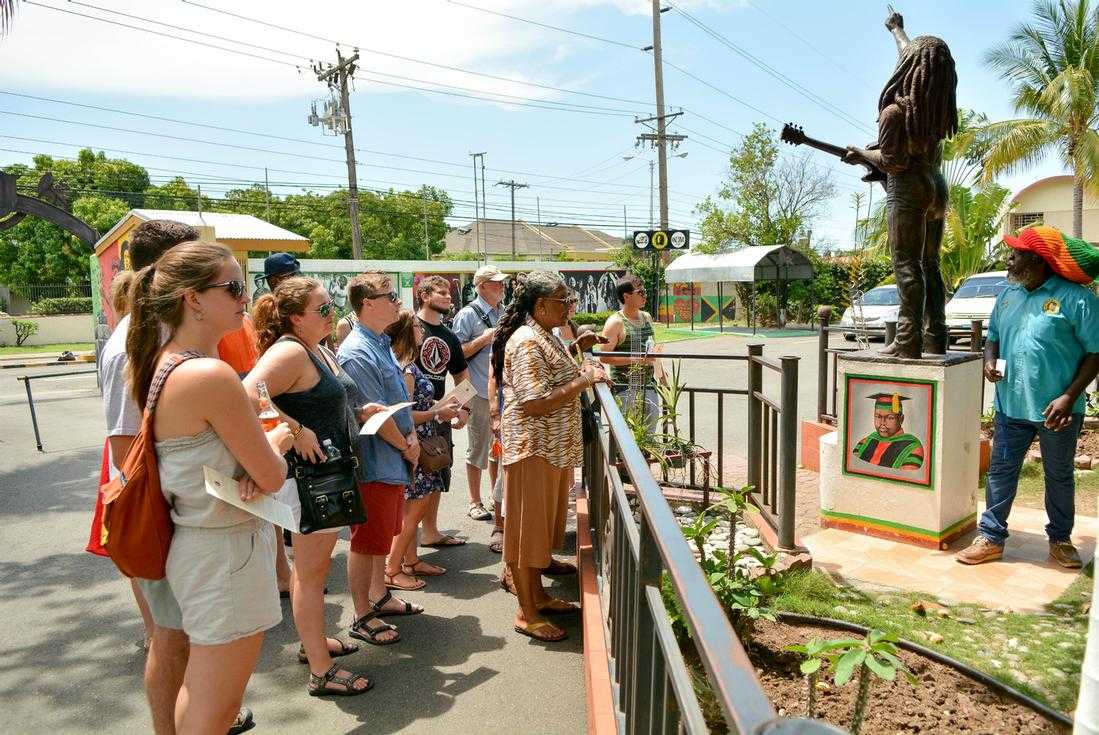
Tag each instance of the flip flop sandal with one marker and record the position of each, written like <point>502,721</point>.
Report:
<point>444,542</point>
<point>409,608</point>
<point>531,631</point>
<point>558,568</point>
<point>243,722</point>
<point>359,629</point>
<point>507,586</point>
<point>559,607</point>
<point>496,542</point>
<point>319,685</point>
<point>414,569</point>
<point>346,649</point>
<point>391,584</point>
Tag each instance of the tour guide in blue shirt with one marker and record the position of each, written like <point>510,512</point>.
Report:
<point>1045,327</point>
<point>387,457</point>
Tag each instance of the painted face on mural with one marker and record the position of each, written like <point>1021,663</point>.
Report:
<point>886,423</point>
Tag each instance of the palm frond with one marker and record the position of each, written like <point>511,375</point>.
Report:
<point>7,15</point>
<point>1015,144</point>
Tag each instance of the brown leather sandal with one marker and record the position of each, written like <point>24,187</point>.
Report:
<point>319,684</point>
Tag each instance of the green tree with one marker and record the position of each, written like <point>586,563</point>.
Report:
<point>762,200</point>
<point>177,195</point>
<point>1052,65</point>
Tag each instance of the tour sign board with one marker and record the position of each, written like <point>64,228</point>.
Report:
<point>659,240</point>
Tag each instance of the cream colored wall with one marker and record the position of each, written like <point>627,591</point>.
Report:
<point>1054,200</point>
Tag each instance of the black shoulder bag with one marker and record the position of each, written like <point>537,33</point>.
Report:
<point>329,492</point>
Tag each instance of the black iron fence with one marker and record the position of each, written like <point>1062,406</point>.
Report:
<point>827,364</point>
<point>23,295</point>
<point>772,435</point>
<point>652,683</point>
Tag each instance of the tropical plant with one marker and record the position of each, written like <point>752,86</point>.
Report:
<point>1052,65</point>
<point>669,391</point>
<point>23,331</point>
<point>875,655</point>
<point>817,654</point>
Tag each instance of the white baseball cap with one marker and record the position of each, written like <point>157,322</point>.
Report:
<point>488,273</point>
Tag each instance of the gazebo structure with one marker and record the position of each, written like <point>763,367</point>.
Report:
<point>753,264</point>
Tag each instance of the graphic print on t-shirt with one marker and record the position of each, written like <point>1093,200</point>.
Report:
<point>434,355</point>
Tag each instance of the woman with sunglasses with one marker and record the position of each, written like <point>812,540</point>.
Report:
<point>310,392</point>
<point>220,566</point>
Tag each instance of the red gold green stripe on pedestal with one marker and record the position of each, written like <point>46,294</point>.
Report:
<point>896,528</point>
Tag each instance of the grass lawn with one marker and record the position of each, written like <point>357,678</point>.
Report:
<point>1039,653</point>
<point>674,334</point>
<point>47,349</point>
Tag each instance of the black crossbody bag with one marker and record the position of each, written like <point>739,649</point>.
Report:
<point>329,492</point>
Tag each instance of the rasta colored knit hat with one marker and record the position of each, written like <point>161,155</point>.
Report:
<point>1072,259</point>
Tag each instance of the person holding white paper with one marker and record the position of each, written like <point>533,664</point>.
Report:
<point>221,564</point>
<point>387,457</point>
<point>310,392</point>
<point>428,414</point>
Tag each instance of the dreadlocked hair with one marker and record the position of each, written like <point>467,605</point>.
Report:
<point>924,86</point>
<point>272,311</point>
<point>529,287</point>
<point>156,298</point>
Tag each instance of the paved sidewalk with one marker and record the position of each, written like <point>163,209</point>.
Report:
<point>67,657</point>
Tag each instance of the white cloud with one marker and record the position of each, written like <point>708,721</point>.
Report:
<point>62,51</point>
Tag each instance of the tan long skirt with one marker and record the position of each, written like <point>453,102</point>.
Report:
<point>536,499</point>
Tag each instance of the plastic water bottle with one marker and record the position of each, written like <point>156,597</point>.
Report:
<point>330,451</point>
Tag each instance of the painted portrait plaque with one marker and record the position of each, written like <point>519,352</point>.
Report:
<point>890,428</point>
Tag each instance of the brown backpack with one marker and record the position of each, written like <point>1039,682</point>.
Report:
<point>137,525</point>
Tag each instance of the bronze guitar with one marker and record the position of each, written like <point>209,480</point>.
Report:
<point>794,135</point>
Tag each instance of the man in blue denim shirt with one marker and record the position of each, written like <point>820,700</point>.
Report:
<point>1045,328</point>
<point>387,456</point>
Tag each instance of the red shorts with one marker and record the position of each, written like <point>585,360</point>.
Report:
<point>384,505</point>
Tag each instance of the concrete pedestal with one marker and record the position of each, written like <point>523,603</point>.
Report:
<point>919,483</point>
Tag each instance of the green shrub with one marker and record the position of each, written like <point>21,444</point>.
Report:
<point>596,318</point>
<point>62,305</point>
<point>23,331</point>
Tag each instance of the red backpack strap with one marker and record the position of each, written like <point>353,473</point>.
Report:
<point>161,376</point>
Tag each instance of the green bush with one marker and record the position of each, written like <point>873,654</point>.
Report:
<point>62,305</point>
<point>23,331</point>
<point>596,318</point>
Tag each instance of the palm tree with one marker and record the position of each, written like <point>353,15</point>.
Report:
<point>1052,64</point>
<point>7,13</point>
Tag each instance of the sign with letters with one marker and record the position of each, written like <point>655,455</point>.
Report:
<point>660,240</point>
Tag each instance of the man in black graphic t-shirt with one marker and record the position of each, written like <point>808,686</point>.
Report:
<point>441,353</point>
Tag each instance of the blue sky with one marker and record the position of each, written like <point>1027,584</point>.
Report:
<point>839,50</point>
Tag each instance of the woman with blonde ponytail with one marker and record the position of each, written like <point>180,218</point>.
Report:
<point>221,563</point>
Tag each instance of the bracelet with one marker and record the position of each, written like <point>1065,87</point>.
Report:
<point>294,433</point>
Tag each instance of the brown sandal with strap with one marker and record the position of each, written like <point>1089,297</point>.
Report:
<point>319,684</point>
<point>346,649</point>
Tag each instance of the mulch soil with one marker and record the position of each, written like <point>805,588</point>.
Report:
<point>944,701</point>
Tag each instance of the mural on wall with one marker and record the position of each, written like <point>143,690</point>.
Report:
<point>890,428</point>
<point>595,289</point>
<point>679,303</point>
<point>334,283</point>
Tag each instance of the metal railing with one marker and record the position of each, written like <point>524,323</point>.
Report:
<point>651,681</point>
<point>771,433</point>
<point>26,380</point>
<point>827,364</point>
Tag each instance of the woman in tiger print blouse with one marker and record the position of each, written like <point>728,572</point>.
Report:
<point>541,438</point>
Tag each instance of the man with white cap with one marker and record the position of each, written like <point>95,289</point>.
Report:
<point>475,326</point>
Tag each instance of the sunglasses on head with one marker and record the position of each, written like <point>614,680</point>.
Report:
<point>235,288</point>
<point>391,295</point>
<point>326,308</point>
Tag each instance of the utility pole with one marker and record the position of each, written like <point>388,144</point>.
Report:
<point>267,188</point>
<point>513,185</point>
<point>538,203</point>
<point>427,245</point>
<point>625,227</point>
<point>337,118</point>
<point>478,223</point>
<point>652,164</point>
<point>660,139</point>
<point>484,203</point>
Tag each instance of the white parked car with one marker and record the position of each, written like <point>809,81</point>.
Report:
<point>975,299</point>
<point>878,306</point>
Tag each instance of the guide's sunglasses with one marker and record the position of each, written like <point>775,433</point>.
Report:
<point>391,295</point>
<point>235,288</point>
<point>326,309</point>
<point>570,300</point>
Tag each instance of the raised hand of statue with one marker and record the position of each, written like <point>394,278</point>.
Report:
<point>894,21</point>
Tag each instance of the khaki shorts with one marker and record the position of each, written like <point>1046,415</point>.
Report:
<point>479,433</point>
<point>224,580</point>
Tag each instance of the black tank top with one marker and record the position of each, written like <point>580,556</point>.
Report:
<point>322,408</point>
